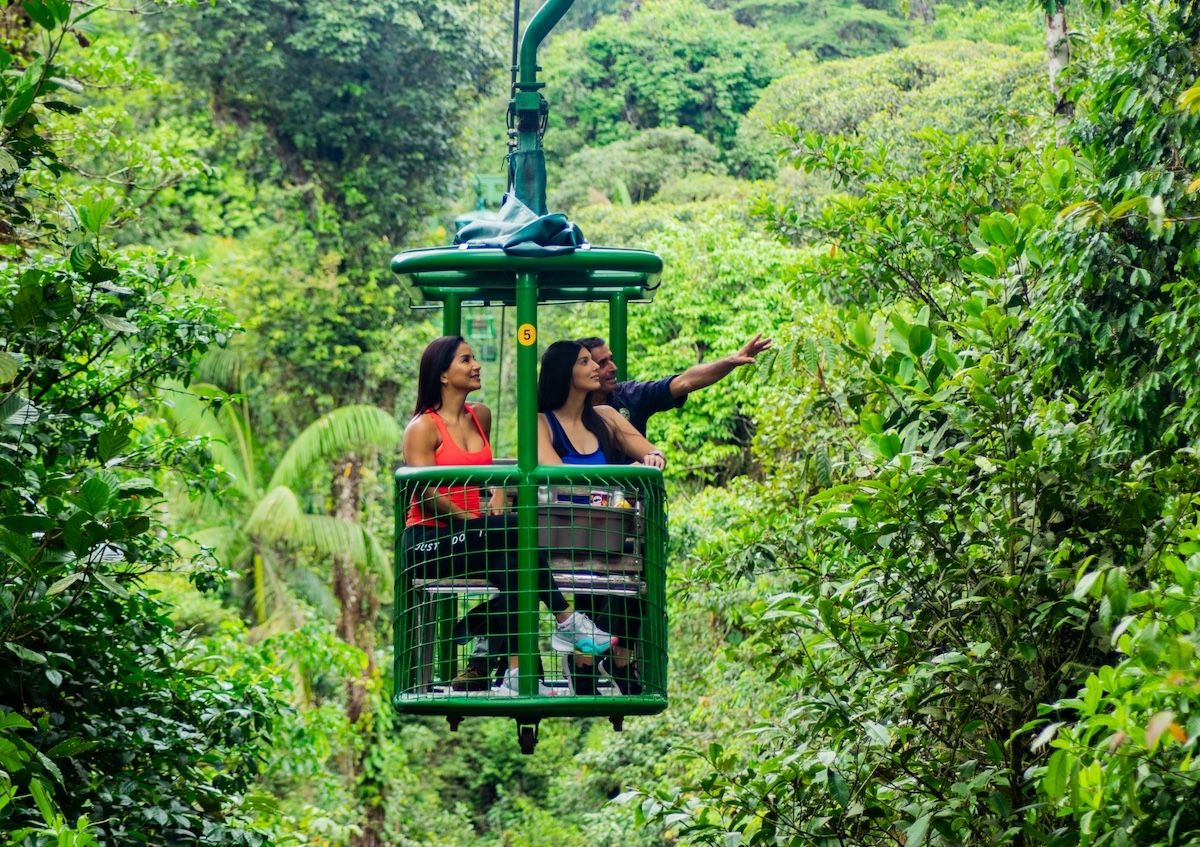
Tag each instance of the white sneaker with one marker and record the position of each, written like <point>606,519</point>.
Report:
<point>510,686</point>
<point>578,633</point>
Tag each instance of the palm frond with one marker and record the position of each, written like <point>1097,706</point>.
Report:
<point>332,436</point>
<point>331,535</point>
<point>221,367</point>
<point>277,516</point>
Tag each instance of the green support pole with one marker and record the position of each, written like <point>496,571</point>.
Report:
<point>447,606</point>
<point>618,332</point>
<point>527,162</point>
<point>654,629</point>
<point>527,461</point>
<point>452,315</point>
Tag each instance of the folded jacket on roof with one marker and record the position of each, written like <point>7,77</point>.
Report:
<point>519,232</point>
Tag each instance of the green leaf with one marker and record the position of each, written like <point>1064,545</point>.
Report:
<point>27,305</point>
<point>95,495</point>
<point>113,438</point>
<point>997,228</point>
<point>1055,780</point>
<point>10,473</point>
<point>15,410</point>
<point>41,796</point>
<point>860,332</point>
<point>116,323</point>
<point>18,105</point>
<point>838,789</point>
<point>70,747</point>
<point>1190,99</point>
<point>1084,585</point>
<point>61,9</point>
<point>25,653</point>
<point>83,256</point>
<point>1116,589</point>
<point>54,677</point>
<point>28,524</point>
<point>10,720</point>
<point>39,12</point>
<point>919,340</point>
<point>61,585</point>
<point>9,367</point>
<point>93,217</point>
<point>889,445</point>
<point>111,584</point>
<point>917,831</point>
<point>878,733</point>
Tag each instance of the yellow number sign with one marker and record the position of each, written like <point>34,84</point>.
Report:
<point>526,334</point>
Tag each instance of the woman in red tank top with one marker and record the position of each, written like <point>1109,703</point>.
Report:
<point>447,535</point>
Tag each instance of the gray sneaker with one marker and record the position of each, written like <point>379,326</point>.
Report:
<point>578,633</point>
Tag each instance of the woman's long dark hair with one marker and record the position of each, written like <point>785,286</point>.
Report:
<point>435,361</point>
<point>554,386</point>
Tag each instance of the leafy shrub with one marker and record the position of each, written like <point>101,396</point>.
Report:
<point>952,86</point>
<point>633,169</point>
<point>109,724</point>
<point>828,30</point>
<point>673,63</point>
<point>989,628</point>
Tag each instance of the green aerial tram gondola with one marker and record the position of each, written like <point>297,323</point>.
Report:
<point>601,529</point>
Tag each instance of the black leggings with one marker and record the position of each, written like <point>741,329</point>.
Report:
<point>481,548</point>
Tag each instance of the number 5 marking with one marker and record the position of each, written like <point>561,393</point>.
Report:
<point>526,334</point>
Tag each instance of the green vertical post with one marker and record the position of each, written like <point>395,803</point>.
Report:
<point>452,315</point>
<point>527,162</point>
<point>618,332</point>
<point>447,606</point>
<point>654,630</point>
<point>402,624</point>
<point>527,462</point>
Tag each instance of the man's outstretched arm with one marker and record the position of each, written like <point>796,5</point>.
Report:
<point>706,373</point>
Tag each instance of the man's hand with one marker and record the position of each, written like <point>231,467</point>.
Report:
<point>750,350</point>
<point>707,373</point>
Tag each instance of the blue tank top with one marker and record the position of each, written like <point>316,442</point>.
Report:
<point>566,450</point>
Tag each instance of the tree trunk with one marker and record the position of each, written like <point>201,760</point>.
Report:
<point>1058,54</point>
<point>920,10</point>
<point>355,591</point>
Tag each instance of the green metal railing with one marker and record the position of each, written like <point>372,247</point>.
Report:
<point>601,530</point>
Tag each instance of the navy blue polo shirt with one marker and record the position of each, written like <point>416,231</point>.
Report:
<point>637,401</point>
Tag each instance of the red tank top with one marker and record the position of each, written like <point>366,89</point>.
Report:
<point>465,497</point>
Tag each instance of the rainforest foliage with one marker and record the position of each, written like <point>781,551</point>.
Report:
<point>935,559</point>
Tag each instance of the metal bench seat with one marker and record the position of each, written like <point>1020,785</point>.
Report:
<point>620,577</point>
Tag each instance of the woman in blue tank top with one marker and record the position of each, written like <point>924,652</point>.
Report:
<point>571,431</point>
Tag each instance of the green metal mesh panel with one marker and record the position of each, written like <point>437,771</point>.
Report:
<point>460,615</point>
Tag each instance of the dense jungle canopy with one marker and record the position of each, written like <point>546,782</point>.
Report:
<point>934,559</point>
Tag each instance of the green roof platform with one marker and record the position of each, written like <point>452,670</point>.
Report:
<point>489,275</point>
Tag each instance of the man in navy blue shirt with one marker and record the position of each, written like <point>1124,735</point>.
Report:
<point>637,401</point>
